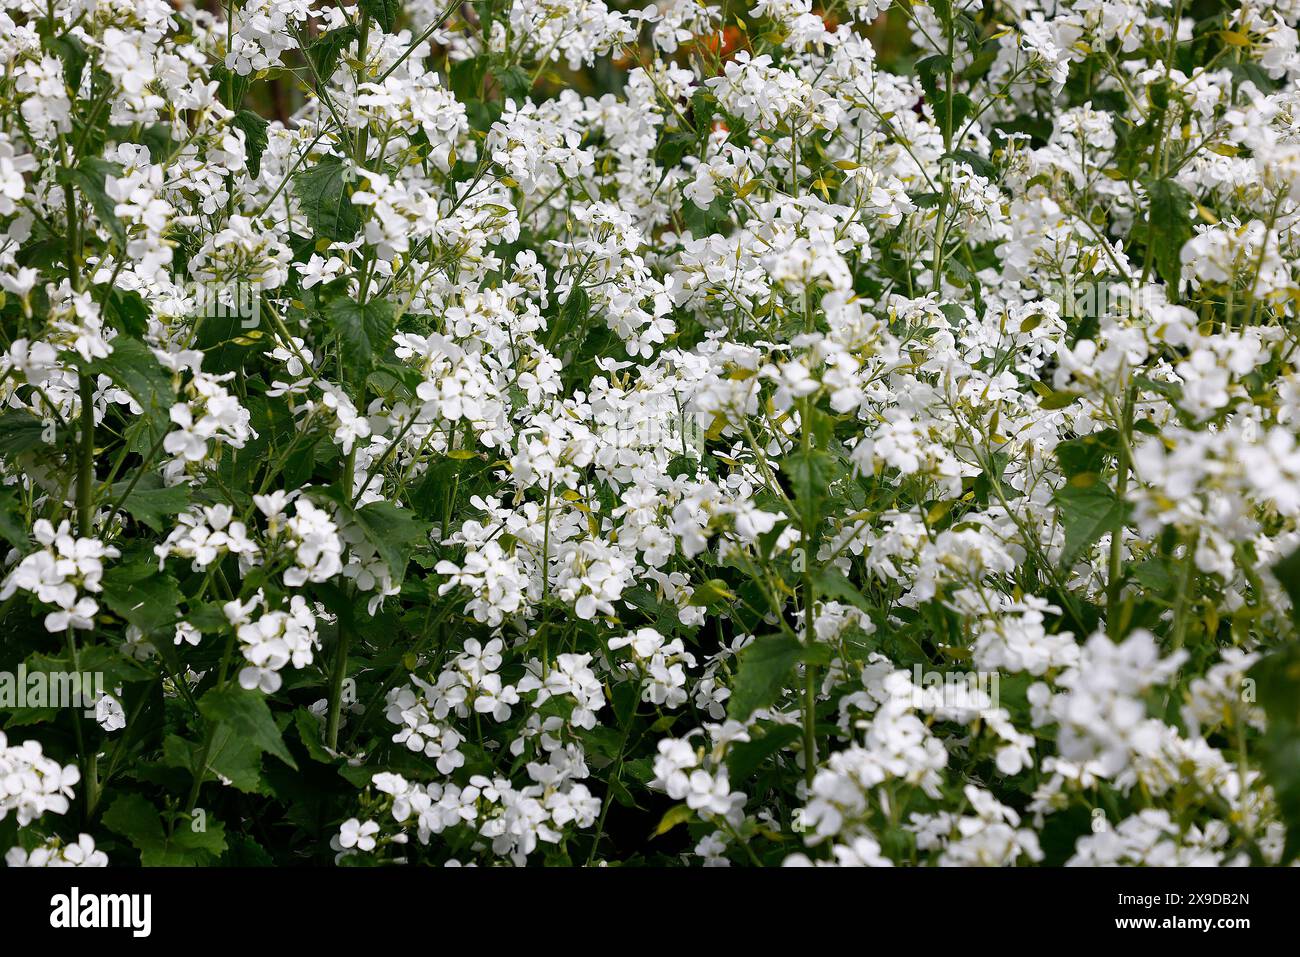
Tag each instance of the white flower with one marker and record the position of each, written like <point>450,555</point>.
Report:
<point>355,834</point>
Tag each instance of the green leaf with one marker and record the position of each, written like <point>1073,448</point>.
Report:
<point>1170,221</point>
<point>89,176</point>
<point>232,85</point>
<point>576,308</point>
<point>703,108</point>
<point>673,147</point>
<point>1155,575</point>
<point>156,137</point>
<point>394,532</point>
<point>116,667</point>
<point>712,592</point>
<point>208,617</point>
<point>326,198</point>
<point>1287,573</point>
<point>142,595</point>
<point>833,584</point>
<point>232,757</point>
<point>1278,682</point>
<point>127,312</point>
<point>237,759</point>
<point>44,250</point>
<point>515,82</point>
<point>13,528</point>
<point>1086,454</point>
<point>243,851</point>
<point>247,714</point>
<point>664,722</point>
<point>385,12</point>
<point>1057,400</point>
<point>677,814</point>
<point>223,339</point>
<point>764,670</point>
<point>703,222</point>
<point>254,128</point>
<point>309,732</point>
<point>325,50</point>
<point>744,757</point>
<point>1088,511</point>
<point>150,502</point>
<point>139,822</point>
<point>976,162</point>
<point>20,432</point>
<point>930,70</point>
<point>72,52</point>
<point>365,330</point>
<point>810,474</point>
<point>467,77</point>
<point>133,366</point>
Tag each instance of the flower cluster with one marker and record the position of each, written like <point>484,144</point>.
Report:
<point>32,783</point>
<point>53,853</point>
<point>810,433</point>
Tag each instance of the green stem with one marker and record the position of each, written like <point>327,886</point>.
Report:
<point>86,470</point>
<point>946,122</point>
<point>201,768</point>
<point>1117,537</point>
<point>1181,600</point>
<point>336,689</point>
<point>89,770</point>
<point>809,715</point>
<point>348,479</point>
<point>546,576</point>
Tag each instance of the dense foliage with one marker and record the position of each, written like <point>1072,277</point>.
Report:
<point>537,432</point>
